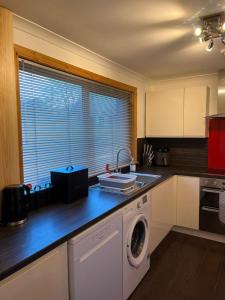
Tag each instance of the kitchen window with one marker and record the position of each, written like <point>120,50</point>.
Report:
<point>69,120</point>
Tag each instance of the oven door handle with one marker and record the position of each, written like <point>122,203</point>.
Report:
<point>213,191</point>
<point>210,209</point>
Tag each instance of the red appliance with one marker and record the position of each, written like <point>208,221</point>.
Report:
<point>216,146</point>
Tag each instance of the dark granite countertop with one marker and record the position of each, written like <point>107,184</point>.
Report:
<point>51,226</point>
<point>185,171</point>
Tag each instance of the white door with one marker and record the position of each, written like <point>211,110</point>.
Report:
<point>162,211</point>
<point>196,105</point>
<point>188,201</point>
<point>164,113</point>
<point>46,278</point>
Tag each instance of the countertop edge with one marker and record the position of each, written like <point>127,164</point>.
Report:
<point>23,263</point>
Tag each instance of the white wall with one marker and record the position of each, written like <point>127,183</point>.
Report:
<point>210,80</point>
<point>34,37</point>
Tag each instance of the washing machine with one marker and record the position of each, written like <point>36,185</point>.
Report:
<point>136,231</point>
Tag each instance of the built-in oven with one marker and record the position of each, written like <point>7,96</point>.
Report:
<point>212,205</point>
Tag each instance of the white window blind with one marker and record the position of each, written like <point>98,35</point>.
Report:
<point>67,120</point>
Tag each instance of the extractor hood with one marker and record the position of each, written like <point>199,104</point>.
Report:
<point>221,96</point>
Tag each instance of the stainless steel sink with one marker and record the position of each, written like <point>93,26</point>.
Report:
<point>129,191</point>
<point>145,175</point>
<point>117,180</point>
<point>141,181</point>
<point>146,178</point>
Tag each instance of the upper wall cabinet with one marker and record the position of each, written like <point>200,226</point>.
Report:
<point>196,107</point>
<point>177,112</point>
<point>164,113</point>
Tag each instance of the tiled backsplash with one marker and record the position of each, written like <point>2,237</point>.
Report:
<point>184,152</point>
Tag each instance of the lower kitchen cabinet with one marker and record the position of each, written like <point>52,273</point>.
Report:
<point>163,211</point>
<point>46,278</point>
<point>188,202</point>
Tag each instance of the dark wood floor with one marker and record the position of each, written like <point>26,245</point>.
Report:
<point>184,268</point>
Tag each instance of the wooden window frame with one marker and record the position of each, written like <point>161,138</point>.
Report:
<point>42,59</point>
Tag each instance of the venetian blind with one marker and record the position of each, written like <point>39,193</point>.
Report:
<point>67,120</point>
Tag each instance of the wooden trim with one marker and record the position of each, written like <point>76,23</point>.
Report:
<point>19,118</point>
<point>9,159</point>
<point>51,62</point>
<point>65,67</point>
<point>134,125</point>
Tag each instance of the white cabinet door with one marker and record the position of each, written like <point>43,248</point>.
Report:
<point>46,278</point>
<point>163,211</point>
<point>196,103</point>
<point>188,202</point>
<point>164,113</point>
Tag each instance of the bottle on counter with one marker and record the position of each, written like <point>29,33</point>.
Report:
<point>132,165</point>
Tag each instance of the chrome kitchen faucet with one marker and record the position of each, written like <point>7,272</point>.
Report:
<point>118,156</point>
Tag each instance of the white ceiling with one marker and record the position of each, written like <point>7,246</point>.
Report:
<point>152,37</point>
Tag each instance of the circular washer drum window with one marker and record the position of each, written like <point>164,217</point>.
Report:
<point>138,239</point>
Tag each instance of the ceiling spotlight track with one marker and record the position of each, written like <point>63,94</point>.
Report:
<point>210,28</point>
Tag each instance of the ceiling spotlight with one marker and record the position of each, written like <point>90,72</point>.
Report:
<point>198,31</point>
<point>210,46</point>
<point>211,28</point>
<point>223,26</point>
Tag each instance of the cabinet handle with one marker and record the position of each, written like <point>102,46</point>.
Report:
<point>99,245</point>
<point>210,209</point>
<point>213,191</point>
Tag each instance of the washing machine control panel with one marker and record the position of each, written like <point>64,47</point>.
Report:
<point>139,204</point>
<point>142,201</point>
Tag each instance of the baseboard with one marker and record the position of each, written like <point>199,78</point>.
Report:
<point>201,234</point>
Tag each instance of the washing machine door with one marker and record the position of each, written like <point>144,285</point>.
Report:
<point>137,242</point>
